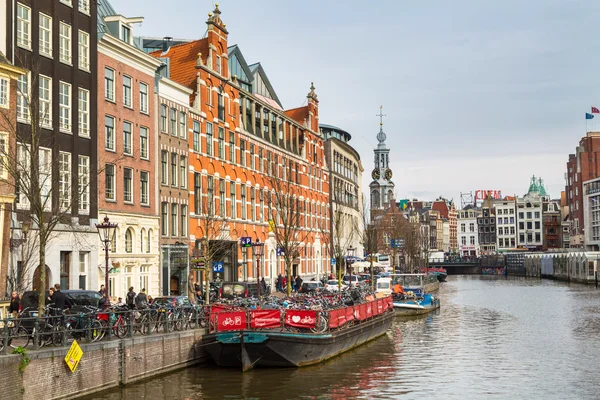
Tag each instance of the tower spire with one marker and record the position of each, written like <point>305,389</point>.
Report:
<point>381,135</point>
<point>381,115</point>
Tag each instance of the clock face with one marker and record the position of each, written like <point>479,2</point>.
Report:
<point>375,174</point>
<point>388,174</point>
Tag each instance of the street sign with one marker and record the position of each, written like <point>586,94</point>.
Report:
<point>397,243</point>
<point>73,356</point>
<point>333,261</point>
<point>245,241</point>
<point>217,266</point>
<point>280,252</point>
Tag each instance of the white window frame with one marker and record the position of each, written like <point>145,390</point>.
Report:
<point>23,94</point>
<point>4,159</point>
<point>182,124</point>
<point>45,35</point>
<point>144,192</point>
<point>109,145</point>
<point>83,102</point>
<point>45,101</point>
<point>23,165</point>
<point>64,108</point>
<point>183,171</point>
<point>109,84</point>
<point>45,175</point>
<point>113,182</point>
<point>67,3</point>
<point>4,92</point>
<point>84,50</point>
<point>64,33</point>
<point>83,169</point>
<point>128,140</point>
<point>143,97</point>
<point>84,6</point>
<point>64,180</point>
<point>128,192</point>
<point>144,153</point>
<point>23,26</point>
<point>128,91</point>
<point>83,262</point>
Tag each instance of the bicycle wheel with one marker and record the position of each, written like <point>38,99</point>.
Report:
<point>57,335</point>
<point>96,330</point>
<point>22,338</point>
<point>121,328</point>
<point>145,325</point>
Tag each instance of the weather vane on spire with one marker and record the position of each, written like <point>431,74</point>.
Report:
<point>381,115</point>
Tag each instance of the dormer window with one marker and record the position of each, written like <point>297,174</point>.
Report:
<point>125,34</point>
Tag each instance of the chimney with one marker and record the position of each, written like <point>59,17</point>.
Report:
<point>165,44</point>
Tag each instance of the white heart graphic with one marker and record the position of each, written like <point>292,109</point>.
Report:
<point>296,318</point>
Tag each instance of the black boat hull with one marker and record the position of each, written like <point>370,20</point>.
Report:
<point>248,349</point>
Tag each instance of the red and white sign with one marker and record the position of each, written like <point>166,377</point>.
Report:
<point>483,194</point>
<point>301,319</point>
<point>232,321</point>
<point>265,319</point>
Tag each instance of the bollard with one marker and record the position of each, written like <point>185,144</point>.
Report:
<point>64,329</point>
<point>130,320</point>
<point>6,337</point>
<point>36,333</point>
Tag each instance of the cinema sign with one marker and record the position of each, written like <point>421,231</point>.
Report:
<point>483,194</point>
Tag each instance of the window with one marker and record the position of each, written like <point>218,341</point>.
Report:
<point>260,161</point>
<point>173,169</point>
<point>163,118</point>
<point>144,143</point>
<point>182,172</point>
<point>109,173</point>
<point>149,241</point>
<point>67,2</point>
<point>3,155</point>
<point>127,138</point>
<point>209,139</point>
<point>125,34</point>
<point>182,125</point>
<point>231,147</point>
<point>4,92</point>
<point>109,84</point>
<point>251,156</point>
<point>64,180</point>
<point>218,65</point>
<point>183,223</point>
<point>243,152</point>
<point>84,112</point>
<point>83,172</point>
<point>164,220</point>
<point>221,107</point>
<point>22,98</point>
<point>84,6</point>
<point>537,224</point>
<point>84,51</point>
<point>65,43</point>
<point>164,167</point>
<point>243,198</point>
<point>144,177</point>
<point>221,143</point>
<point>23,26</point>
<point>197,193</point>
<point>252,204</point>
<point>127,99</point>
<point>64,112</point>
<point>232,204</point>
<point>65,267</point>
<point>174,219</point>
<point>109,131</point>
<point>537,214</point>
<point>173,122</point>
<point>45,103</point>
<point>127,185</point>
<point>222,210</point>
<point>128,241</point>
<point>83,257</point>
<point>45,35</point>
<point>211,195</point>
<point>196,136</point>
<point>143,97</point>
<point>209,96</point>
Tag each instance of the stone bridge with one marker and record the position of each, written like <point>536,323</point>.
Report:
<point>459,267</point>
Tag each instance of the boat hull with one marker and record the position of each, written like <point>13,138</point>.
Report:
<point>401,309</point>
<point>249,349</point>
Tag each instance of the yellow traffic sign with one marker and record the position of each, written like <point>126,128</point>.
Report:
<point>73,356</point>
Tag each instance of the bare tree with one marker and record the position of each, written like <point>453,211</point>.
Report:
<point>369,237</point>
<point>411,233</point>
<point>344,229</point>
<point>18,279</point>
<point>288,221</point>
<point>214,240</point>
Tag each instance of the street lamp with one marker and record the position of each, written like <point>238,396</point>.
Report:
<point>258,248</point>
<point>106,231</point>
<point>350,254</point>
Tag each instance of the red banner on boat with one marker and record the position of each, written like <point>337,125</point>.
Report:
<point>390,303</point>
<point>379,306</point>
<point>363,312</point>
<point>369,309</point>
<point>301,319</point>
<point>265,319</point>
<point>349,314</point>
<point>232,321</point>
<point>337,318</point>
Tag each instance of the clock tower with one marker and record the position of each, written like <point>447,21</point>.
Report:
<point>382,187</point>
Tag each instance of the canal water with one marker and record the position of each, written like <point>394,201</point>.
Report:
<point>493,338</point>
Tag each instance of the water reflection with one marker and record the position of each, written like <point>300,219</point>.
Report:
<point>493,337</point>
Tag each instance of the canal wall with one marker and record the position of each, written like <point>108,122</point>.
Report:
<point>103,365</point>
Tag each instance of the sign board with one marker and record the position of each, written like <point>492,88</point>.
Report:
<point>280,252</point>
<point>245,241</point>
<point>397,243</point>
<point>218,266</point>
<point>483,194</point>
<point>73,356</point>
<point>333,261</point>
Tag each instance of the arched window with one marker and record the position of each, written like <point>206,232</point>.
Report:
<point>113,243</point>
<point>375,199</point>
<point>149,241</point>
<point>129,240</point>
<point>142,235</point>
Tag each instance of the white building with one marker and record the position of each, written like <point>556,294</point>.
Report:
<point>529,218</point>
<point>506,224</point>
<point>591,213</point>
<point>446,235</point>
<point>468,242</point>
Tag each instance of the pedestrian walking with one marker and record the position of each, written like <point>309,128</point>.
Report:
<point>298,283</point>
<point>141,299</point>
<point>130,298</point>
<point>278,283</point>
<point>263,286</point>
<point>59,298</point>
<point>13,307</point>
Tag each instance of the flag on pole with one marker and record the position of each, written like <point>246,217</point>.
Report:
<point>588,116</point>
<point>595,110</point>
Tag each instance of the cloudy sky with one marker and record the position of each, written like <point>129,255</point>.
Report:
<point>479,94</point>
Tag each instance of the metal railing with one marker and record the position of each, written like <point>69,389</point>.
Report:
<point>59,328</point>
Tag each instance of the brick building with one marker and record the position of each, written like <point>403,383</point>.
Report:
<point>244,140</point>
<point>55,40</point>
<point>127,153</point>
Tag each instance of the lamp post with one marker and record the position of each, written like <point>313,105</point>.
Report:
<point>258,248</point>
<point>106,231</point>
<point>350,254</point>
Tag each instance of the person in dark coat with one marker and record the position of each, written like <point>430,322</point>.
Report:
<point>141,300</point>
<point>298,283</point>
<point>263,286</point>
<point>278,285</point>
<point>59,298</point>
<point>130,298</point>
<point>13,307</point>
